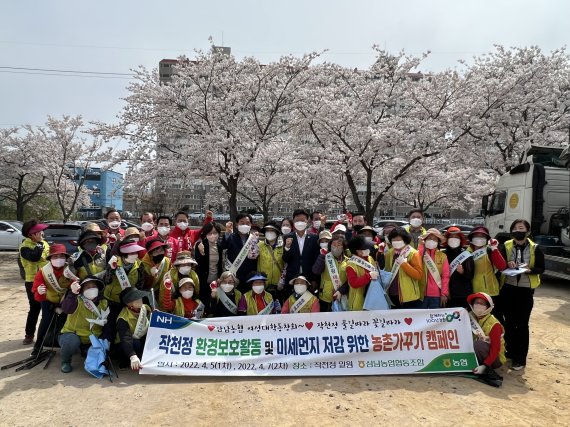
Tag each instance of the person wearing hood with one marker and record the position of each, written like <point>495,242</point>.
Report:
<point>461,268</point>
<point>257,301</point>
<point>91,259</point>
<point>435,283</point>
<point>517,292</point>
<point>270,259</point>
<point>415,228</point>
<point>360,271</point>
<point>155,263</point>
<point>301,300</point>
<point>233,241</point>
<point>488,343</point>
<point>49,287</point>
<point>33,256</point>
<point>488,260</point>
<point>182,236</point>
<point>132,325</point>
<point>224,297</point>
<point>182,301</point>
<point>331,266</point>
<point>87,313</point>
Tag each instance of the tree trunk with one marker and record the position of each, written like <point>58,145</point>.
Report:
<point>232,191</point>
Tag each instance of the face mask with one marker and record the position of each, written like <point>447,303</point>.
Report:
<point>453,242</point>
<point>479,309</point>
<point>431,244</point>
<point>90,247</point>
<point>365,253</point>
<point>300,289</point>
<point>258,289</point>
<point>187,294</point>
<point>227,287</point>
<point>163,231</point>
<point>336,252</point>
<point>212,238</point>
<point>244,228</point>
<point>285,230</point>
<point>58,262</point>
<point>479,241</point>
<point>416,222</point>
<point>519,235</point>
<point>131,258</point>
<point>324,245</point>
<point>185,270</point>
<point>271,236</point>
<point>157,259</point>
<point>317,224</point>
<point>368,238</point>
<point>358,227</point>
<point>114,224</point>
<point>398,244</point>
<point>300,225</point>
<point>182,225</point>
<point>91,293</point>
<point>147,226</point>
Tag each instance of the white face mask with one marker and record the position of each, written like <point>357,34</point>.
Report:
<point>300,289</point>
<point>398,244</point>
<point>212,238</point>
<point>58,262</point>
<point>453,242</point>
<point>336,252</point>
<point>430,244</point>
<point>480,309</point>
<point>185,270</point>
<point>365,252</point>
<point>271,236</point>
<point>182,225</point>
<point>91,293</point>
<point>368,238</point>
<point>324,245</point>
<point>114,224</point>
<point>227,287</point>
<point>147,226</point>
<point>131,258</point>
<point>416,222</point>
<point>244,228</point>
<point>285,230</point>
<point>317,224</point>
<point>258,289</point>
<point>163,231</point>
<point>479,241</point>
<point>300,225</point>
<point>187,294</point>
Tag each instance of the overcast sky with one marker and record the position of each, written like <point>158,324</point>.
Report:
<point>116,36</point>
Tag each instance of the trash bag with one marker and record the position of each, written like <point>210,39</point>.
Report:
<point>341,304</point>
<point>376,297</point>
<point>96,355</point>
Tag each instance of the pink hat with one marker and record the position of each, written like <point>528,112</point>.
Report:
<point>130,248</point>
<point>37,228</point>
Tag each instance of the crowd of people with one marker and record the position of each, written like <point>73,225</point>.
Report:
<point>109,287</point>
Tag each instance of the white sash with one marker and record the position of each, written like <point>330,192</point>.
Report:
<point>142,324</point>
<point>479,253</point>
<point>458,260</point>
<point>199,312</point>
<point>49,276</point>
<point>122,277</point>
<point>228,303</point>
<point>333,271</point>
<point>300,303</point>
<point>69,274</point>
<point>101,316</point>
<point>267,309</point>
<point>361,263</point>
<point>396,266</point>
<point>160,271</point>
<point>476,328</point>
<point>234,267</point>
<point>432,268</point>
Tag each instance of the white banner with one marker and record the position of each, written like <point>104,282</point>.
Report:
<point>311,344</point>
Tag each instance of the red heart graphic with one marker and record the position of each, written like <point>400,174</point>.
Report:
<point>309,325</point>
<point>211,327</point>
<point>408,320</point>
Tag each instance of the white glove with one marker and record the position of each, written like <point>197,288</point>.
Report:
<point>154,271</point>
<point>135,363</point>
<point>494,244</point>
<point>479,370</point>
<point>113,262</point>
<point>42,289</point>
<point>337,295</point>
<point>400,260</point>
<point>58,310</point>
<point>75,288</point>
<point>373,275</point>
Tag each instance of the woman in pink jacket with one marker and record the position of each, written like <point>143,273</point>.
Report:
<point>436,269</point>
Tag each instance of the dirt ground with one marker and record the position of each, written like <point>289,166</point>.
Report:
<point>538,395</point>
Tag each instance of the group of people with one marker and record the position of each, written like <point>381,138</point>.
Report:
<point>109,287</point>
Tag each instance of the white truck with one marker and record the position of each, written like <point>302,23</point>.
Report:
<point>537,190</point>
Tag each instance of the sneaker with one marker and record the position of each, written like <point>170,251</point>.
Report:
<point>28,339</point>
<point>66,367</point>
<point>517,366</point>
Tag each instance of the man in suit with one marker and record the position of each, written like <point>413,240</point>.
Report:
<point>300,252</point>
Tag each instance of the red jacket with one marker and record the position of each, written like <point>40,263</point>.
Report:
<point>39,280</point>
<point>184,240</point>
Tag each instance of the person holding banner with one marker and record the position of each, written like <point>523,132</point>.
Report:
<point>155,263</point>
<point>435,283</point>
<point>461,268</point>
<point>360,270</point>
<point>132,326</point>
<point>50,285</point>
<point>209,256</point>
<point>488,260</point>
<point>87,314</point>
<point>225,298</point>
<point>257,301</point>
<point>405,264</point>
<point>181,301</point>
<point>331,266</point>
<point>238,244</point>
<point>301,300</point>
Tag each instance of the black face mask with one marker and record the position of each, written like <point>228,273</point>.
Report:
<point>90,247</point>
<point>158,258</point>
<point>519,235</point>
<point>357,228</point>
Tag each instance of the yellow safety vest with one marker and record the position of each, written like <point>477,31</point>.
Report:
<point>77,323</point>
<point>407,227</point>
<point>484,279</point>
<point>356,295</point>
<point>31,268</point>
<point>409,289</point>
<point>487,324</point>
<point>113,290</point>
<point>534,278</point>
<point>327,288</point>
<point>131,319</point>
<point>148,263</point>
<point>306,308</point>
<point>266,264</point>
<point>51,294</point>
<point>252,304</point>
<point>193,275</point>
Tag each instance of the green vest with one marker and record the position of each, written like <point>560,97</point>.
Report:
<point>356,295</point>
<point>113,290</point>
<point>51,294</point>
<point>267,265</point>
<point>306,308</point>
<point>179,307</point>
<point>77,323</point>
<point>423,231</point>
<point>409,289</point>
<point>131,319</point>
<point>534,278</point>
<point>487,324</point>
<point>193,275</point>
<point>97,265</point>
<point>252,304</point>
<point>148,263</point>
<point>327,288</point>
<point>484,279</point>
<point>31,268</point>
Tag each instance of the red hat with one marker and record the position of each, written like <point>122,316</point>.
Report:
<point>57,249</point>
<point>480,229</point>
<point>37,228</point>
<point>481,295</point>
<point>456,232</point>
<point>153,244</point>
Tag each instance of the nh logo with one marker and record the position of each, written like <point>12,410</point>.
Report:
<point>164,319</point>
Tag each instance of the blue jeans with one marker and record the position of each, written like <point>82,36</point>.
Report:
<point>69,343</point>
<point>431,302</point>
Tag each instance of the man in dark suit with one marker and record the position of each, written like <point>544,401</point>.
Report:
<point>300,252</point>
